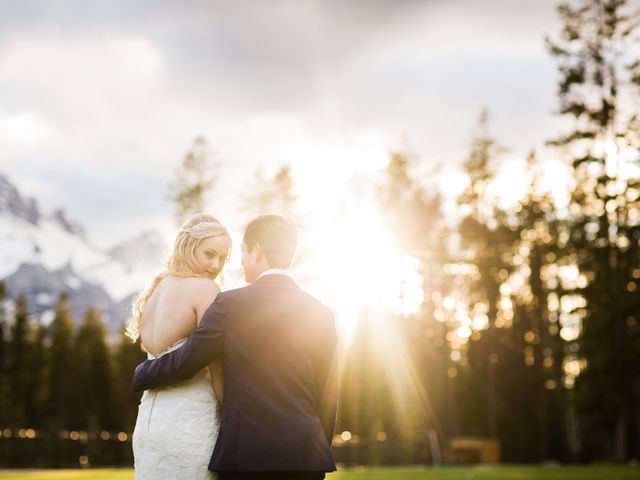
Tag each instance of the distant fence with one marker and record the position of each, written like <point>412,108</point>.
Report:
<point>21,448</point>
<point>63,449</point>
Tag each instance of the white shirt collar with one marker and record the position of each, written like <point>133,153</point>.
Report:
<point>275,271</point>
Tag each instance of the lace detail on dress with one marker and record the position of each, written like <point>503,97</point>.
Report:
<point>176,429</point>
<point>175,346</point>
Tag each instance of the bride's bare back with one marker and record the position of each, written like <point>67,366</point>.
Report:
<point>173,311</point>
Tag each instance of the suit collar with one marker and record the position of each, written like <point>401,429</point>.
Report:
<point>276,279</point>
<point>275,271</point>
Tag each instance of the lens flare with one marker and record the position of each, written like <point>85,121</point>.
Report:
<point>363,269</point>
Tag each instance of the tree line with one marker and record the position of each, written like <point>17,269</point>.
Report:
<point>61,382</point>
<point>529,332</point>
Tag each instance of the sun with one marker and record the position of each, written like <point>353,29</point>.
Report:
<point>360,267</point>
<point>370,282</point>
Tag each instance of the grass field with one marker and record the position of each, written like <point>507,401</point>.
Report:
<point>444,473</point>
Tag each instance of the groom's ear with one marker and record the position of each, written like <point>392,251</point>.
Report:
<point>261,254</point>
<point>259,251</point>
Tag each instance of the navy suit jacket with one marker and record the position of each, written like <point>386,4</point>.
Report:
<point>279,347</point>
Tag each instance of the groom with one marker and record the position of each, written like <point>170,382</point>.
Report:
<point>280,365</point>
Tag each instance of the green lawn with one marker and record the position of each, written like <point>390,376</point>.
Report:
<point>444,473</point>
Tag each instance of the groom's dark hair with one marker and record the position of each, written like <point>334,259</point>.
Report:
<point>276,235</point>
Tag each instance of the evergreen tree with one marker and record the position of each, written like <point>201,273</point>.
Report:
<point>417,221</point>
<point>25,368</point>
<point>193,181</point>
<point>60,363</point>
<point>4,344</point>
<point>535,362</point>
<point>486,244</point>
<point>355,407</point>
<point>598,91</point>
<point>18,371</point>
<point>92,395</point>
<point>272,195</point>
<point>35,365</point>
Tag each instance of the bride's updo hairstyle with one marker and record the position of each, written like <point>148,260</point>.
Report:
<point>180,263</point>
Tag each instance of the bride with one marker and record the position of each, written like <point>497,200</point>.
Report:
<point>177,426</point>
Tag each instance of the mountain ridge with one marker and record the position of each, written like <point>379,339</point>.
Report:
<point>42,255</point>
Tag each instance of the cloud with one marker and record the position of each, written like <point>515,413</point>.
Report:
<point>80,94</point>
<point>111,94</point>
<point>26,132</point>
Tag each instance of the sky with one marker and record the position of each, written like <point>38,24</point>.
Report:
<point>100,101</point>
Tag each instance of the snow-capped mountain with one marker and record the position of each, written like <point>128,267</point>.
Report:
<point>14,204</point>
<point>42,255</point>
<point>139,252</point>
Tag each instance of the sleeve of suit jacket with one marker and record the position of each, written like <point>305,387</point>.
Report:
<point>203,345</point>
<point>328,380</point>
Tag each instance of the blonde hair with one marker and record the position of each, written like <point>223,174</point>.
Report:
<point>181,262</point>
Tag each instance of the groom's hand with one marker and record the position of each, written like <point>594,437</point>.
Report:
<point>136,383</point>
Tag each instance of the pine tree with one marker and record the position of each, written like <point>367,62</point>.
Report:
<point>486,243</point>
<point>4,351</point>
<point>598,91</point>
<point>536,360</point>
<point>273,195</point>
<point>18,372</point>
<point>417,221</point>
<point>35,365</point>
<point>193,181</point>
<point>92,396</point>
<point>60,360</point>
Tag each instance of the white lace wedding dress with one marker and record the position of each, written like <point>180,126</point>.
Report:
<point>176,429</point>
